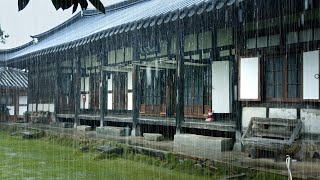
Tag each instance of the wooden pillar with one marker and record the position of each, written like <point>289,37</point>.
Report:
<point>136,85</point>
<point>76,85</point>
<point>103,98</point>
<point>56,87</point>
<point>37,75</point>
<point>239,46</point>
<point>179,76</point>
<point>28,65</point>
<point>170,92</point>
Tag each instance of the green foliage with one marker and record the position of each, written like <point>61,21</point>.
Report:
<point>22,4</point>
<point>3,36</point>
<point>42,159</point>
<point>266,176</point>
<point>66,4</point>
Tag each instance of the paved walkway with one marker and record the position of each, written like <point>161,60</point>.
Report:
<point>301,170</point>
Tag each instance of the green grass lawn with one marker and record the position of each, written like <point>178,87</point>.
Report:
<point>42,159</point>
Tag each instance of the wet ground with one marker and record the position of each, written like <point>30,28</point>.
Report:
<point>303,170</point>
<point>32,159</point>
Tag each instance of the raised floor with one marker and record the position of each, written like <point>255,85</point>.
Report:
<point>223,125</point>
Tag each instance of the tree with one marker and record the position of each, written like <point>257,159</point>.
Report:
<point>3,36</point>
<point>66,4</point>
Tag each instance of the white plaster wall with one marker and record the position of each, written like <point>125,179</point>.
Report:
<point>85,83</point>
<point>51,108</point>
<point>34,107</point>
<point>221,97</point>
<point>110,83</point>
<point>310,68</point>
<point>40,107</point>
<point>249,112</point>
<point>45,107</point>
<point>129,80</point>
<point>22,109</point>
<point>310,120</point>
<point>11,111</point>
<point>283,113</point>
<point>23,99</point>
<point>30,107</point>
<point>110,101</point>
<point>84,105</point>
<point>249,78</point>
<point>130,102</point>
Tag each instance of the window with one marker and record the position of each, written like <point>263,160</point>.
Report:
<point>294,75</point>
<point>274,77</point>
<point>194,81</point>
<point>153,87</point>
<point>283,77</point>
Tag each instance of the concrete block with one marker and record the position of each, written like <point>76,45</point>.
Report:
<point>153,136</point>
<point>201,146</point>
<point>84,128</point>
<point>283,113</point>
<point>113,131</point>
<point>249,112</point>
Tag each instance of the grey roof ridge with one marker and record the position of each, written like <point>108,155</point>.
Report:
<point>16,48</point>
<point>86,13</point>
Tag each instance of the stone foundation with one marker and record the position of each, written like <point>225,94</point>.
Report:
<point>84,128</point>
<point>201,146</point>
<point>153,136</point>
<point>113,131</point>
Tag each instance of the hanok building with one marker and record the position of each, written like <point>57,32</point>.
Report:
<point>165,63</point>
<point>13,93</point>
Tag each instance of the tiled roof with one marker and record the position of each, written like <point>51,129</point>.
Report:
<point>133,15</point>
<point>13,78</point>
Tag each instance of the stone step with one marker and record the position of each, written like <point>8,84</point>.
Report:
<point>201,146</point>
<point>113,131</point>
<point>84,128</point>
<point>153,136</point>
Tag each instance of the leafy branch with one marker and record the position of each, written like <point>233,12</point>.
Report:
<point>66,4</point>
<point>3,36</point>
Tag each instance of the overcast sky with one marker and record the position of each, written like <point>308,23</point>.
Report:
<point>39,16</point>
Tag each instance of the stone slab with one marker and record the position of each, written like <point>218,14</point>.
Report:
<point>201,146</point>
<point>62,124</point>
<point>110,150</point>
<point>84,128</point>
<point>113,131</point>
<point>153,136</point>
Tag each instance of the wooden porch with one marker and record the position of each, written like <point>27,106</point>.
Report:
<point>224,126</point>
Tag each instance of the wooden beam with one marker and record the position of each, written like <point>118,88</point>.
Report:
<point>115,69</point>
